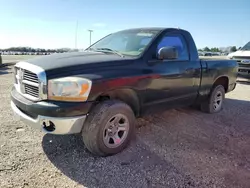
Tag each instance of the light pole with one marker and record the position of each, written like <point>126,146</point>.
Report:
<point>90,32</point>
<point>76,32</point>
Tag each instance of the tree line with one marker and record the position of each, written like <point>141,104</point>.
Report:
<point>61,50</point>
<point>41,50</point>
<point>206,49</point>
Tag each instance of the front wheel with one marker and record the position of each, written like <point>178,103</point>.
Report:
<point>215,100</point>
<point>109,128</point>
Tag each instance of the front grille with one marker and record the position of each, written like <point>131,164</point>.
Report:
<point>244,65</point>
<point>31,86</point>
<point>244,71</point>
<point>30,76</point>
<point>241,57</point>
<point>240,60</point>
<point>27,83</point>
<point>30,81</point>
<point>31,90</point>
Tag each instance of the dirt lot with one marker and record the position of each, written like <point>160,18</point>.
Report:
<point>177,148</point>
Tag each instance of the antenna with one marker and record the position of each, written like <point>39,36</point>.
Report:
<point>90,32</point>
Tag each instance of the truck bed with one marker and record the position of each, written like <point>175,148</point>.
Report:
<point>215,67</point>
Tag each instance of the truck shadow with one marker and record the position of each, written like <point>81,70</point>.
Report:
<point>134,167</point>
<point>175,147</point>
<point>244,82</point>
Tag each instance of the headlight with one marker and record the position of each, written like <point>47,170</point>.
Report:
<point>69,89</point>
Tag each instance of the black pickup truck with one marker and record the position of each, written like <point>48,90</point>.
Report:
<point>99,92</point>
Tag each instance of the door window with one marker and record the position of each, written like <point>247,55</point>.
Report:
<point>176,41</point>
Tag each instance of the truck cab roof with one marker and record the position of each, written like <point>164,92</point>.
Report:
<point>156,29</point>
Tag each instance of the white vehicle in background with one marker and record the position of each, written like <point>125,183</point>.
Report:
<point>242,56</point>
<point>243,53</point>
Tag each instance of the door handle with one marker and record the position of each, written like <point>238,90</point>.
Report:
<point>192,71</point>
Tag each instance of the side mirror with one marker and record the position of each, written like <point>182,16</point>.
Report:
<point>167,53</point>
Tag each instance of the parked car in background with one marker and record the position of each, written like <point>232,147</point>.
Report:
<point>242,56</point>
<point>127,74</point>
<point>208,54</point>
<point>224,53</point>
<point>200,53</point>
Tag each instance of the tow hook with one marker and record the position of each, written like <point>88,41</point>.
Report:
<point>48,125</point>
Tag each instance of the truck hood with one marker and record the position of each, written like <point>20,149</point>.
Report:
<point>240,53</point>
<point>73,59</point>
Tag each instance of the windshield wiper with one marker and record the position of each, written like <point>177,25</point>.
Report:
<point>106,50</point>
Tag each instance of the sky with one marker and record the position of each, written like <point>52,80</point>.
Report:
<point>55,23</point>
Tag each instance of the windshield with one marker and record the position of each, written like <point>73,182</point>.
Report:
<point>246,47</point>
<point>129,42</point>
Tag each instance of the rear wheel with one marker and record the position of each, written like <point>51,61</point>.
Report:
<point>215,100</point>
<point>109,128</point>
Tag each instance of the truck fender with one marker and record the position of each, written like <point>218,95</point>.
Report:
<point>128,96</point>
<point>222,80</point>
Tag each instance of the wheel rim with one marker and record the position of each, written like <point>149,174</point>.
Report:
<point>217,100</point>
<point>116,131</point>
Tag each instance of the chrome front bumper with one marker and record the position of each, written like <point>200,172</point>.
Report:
<point>62,125</point>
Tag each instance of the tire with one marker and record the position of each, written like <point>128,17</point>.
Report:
<point>209,105</point>
<point>95,128</point>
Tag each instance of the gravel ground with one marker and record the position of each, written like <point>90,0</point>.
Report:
<point>177,148</point>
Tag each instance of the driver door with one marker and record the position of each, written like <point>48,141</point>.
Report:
<point>176,82</point>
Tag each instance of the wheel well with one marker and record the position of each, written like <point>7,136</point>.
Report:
<point>222,81</point>
<point>127,96</point>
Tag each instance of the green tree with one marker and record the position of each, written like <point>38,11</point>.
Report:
<point>206,49</point>
<point>213,49</point>
<point>233,49</point>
